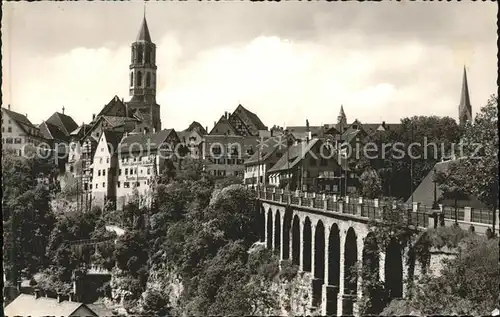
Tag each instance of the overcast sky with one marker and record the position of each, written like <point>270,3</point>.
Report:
<point>285,61</point>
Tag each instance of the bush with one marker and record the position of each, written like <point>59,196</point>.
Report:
<point>288,270</point>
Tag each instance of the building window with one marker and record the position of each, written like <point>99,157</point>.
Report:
<point>119,171</point>
<point>126,184</point>
<point>107,160</point>
<point>138,184</point>
<point>135,171</point>
<point>118,184</point>
<point>139,54</point>
<point>148,79</point>
<point>71,169</point>
<point>96,185</point>
<point>149,171</point>
<point>140,171</point>
<point>102,149</point>
<point>103,185</point>
<point>99,173</point>
<point>139,79</point>
<point>131,79</point>
<point>3,129</point>
<point>104,172</point>
<point>100,160</point>
<point>9,129</point>
<point>17,140</point>
<point>126,171</point>
<point>147,58</point>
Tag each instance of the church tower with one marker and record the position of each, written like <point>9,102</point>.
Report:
<point>465,108</point>
<point>142,81</point>
<point>341,120</point>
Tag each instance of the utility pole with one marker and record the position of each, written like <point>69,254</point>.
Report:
<point>411,166</point>
<point>258,168</point>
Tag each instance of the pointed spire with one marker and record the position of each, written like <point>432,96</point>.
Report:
<point>341,120</point>
<point>144,35</point>
<point>464,108</point>
<point>464,97</point>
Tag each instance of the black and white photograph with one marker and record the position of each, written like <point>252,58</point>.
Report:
<point>250,158</point>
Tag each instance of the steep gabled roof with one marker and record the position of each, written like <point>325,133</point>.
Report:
<point>196,126</point>
<point>114,102</point>
<point>118,121</point>
<point>28,305</point>
<point>65,123</point>
<point>254,119</point>
<point>266,149</point>
<point>80,131</point>
<point>23,122</point>
<point>295,154</point>
<point>144,142</point>
<point>51,132</point>
<point>113,139</point>
<point>221,121</point>
<point>424,193</point>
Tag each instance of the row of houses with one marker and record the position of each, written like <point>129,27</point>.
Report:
<point>117,155</point>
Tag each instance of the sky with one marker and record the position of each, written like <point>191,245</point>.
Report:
<point>286,62</point>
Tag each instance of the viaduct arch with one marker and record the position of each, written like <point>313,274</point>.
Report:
<point>330,247</point>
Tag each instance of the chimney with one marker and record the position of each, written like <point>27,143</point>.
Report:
<point>37,293</point>
<point>8,106</point>
<point>122,100</point>
<point>93,116</point>
<point>225,114</point>
<point>26,115</point>
<point>206,128</point>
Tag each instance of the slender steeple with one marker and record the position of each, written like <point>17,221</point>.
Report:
<point>144,35</point>
<point>464,108</point>
<point>341,120</point>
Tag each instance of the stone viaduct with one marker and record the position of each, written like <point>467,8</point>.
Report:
<point>327,236</point>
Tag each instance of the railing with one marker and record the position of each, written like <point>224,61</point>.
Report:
<point>318,203</point>
<point>417,215</point>
<point>481,216</point>
<point>449,213</point>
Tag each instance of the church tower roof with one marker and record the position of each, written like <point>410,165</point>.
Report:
<point>464,97</point>
<point>465,108</point>
<point>144,35</point>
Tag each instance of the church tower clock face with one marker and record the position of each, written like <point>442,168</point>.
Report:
<point>142,81</point>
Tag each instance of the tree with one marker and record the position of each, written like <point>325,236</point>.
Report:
<point>468,284</point>
<point>371,184</point>
<point>400,174</point>
<point>156,303</point>
<point>28,221</point>
<point>452,189</point>
<point>27,187</point>
<point>234,211</point>
<point>477,173</point>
